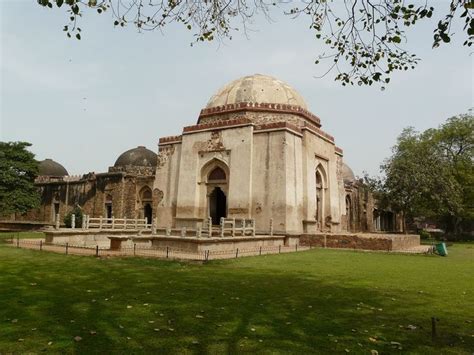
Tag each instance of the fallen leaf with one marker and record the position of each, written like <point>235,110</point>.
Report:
<point>93,332</point>
<point>373,340</point>
<point>77,338</point>
<point>15,321</point>
<point>129,307</point>
<point>199,316</point>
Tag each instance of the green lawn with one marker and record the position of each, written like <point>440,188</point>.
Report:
<point>319,301</point>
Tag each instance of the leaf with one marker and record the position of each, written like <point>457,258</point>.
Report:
<point>59,3</point>
<point>78,36</point>
<point>396,39</point>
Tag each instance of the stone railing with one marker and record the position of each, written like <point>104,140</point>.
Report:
<point>115,223</point>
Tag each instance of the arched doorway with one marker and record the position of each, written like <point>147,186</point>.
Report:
<point>319,199</point>
<point>146,199</point>
<point>108,207</point>
<point>217,205</point>
<point>349,213</point>
<point>148,213</point>
<point>217,199</point>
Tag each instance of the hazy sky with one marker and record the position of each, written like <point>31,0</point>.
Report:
<point>83,103</point>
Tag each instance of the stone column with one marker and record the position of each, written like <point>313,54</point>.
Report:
<point>73,221</point>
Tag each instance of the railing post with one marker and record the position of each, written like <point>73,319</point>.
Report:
<point>87,221</point>
<point>253,227</point>
<point>237,253</point>
<point>96,250</point>
<point>271,227</point>
<point>113,222</point>
<point>153,225</point>
<point>199,232</point>
<point>125,223</point>
<point>222,227</point>
<point>73,221</point>
<point>57,222</point>
<point>167,252</point>
<point>243,226</point>
<point>100,222</point>
<point>41,244</point>
<point>168,231</point>
<point>84,218</point>
<point>183,232</point>
<point>209,225</point>
<point>134,249</point>
<point>233,227</point>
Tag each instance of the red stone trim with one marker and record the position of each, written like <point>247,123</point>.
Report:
<point>218,125</point>
<point>170,140</point>
<point>318,131</point>
<point>339,151</point>
<point>278,126</point>
<point>261,107</point>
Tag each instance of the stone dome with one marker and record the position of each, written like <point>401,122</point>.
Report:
<point>49,167</point>
<point>257,88</point>
<point>347,174</point>
<point>139,156</point>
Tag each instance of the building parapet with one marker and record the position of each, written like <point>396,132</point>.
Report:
<point>339,151</point>
<point>170,140</point>
<point>276,126</point>
<point>218,125</point>
<point>261,107</point>
<point>318,131</point>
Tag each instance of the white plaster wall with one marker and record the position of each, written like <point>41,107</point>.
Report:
<point>166,180</point>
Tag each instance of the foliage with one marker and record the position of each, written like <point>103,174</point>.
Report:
<point>18,170</point>
<point>319,301</point>
<point>78,215</point>
<point>364,37</point>
<point>431,174</point>
<point>425,234</point>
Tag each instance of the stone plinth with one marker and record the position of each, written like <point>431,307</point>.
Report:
<point>364,241</point>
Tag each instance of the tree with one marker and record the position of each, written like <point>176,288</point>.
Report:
<point>431,174</point>
<point>18,170</point>
<point>364,37</point>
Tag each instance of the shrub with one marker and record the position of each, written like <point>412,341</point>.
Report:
<point>424,234</point>
<point>68,218</point>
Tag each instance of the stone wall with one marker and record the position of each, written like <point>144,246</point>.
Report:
<point>90,193</point>
<point>366,241</point>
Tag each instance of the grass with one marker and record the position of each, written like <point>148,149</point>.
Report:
<point>319,301</point>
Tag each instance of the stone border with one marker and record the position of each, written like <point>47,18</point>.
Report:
<point>261,107</point>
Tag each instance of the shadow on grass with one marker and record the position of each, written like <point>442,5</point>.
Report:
<point>145,305</point>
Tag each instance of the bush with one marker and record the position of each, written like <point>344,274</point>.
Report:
<point>424,235</point>
<point>68,218</point>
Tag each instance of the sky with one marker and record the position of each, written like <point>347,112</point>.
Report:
<point>83,103</point>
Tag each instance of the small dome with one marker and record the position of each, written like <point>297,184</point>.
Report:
<point>49,167</point>
<point>139,156</point>
<point>347,174</point>
<point>257,88</point>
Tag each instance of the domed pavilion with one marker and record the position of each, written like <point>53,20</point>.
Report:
<point>256,152</point>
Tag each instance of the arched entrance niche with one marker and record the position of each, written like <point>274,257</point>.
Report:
<point>146,199</point>
<point>108,207</point>
<point>321,197</point>
<point>349,213</point>
<point>216,176</point>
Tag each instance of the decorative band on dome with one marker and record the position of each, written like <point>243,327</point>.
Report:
<point>261,107</point>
